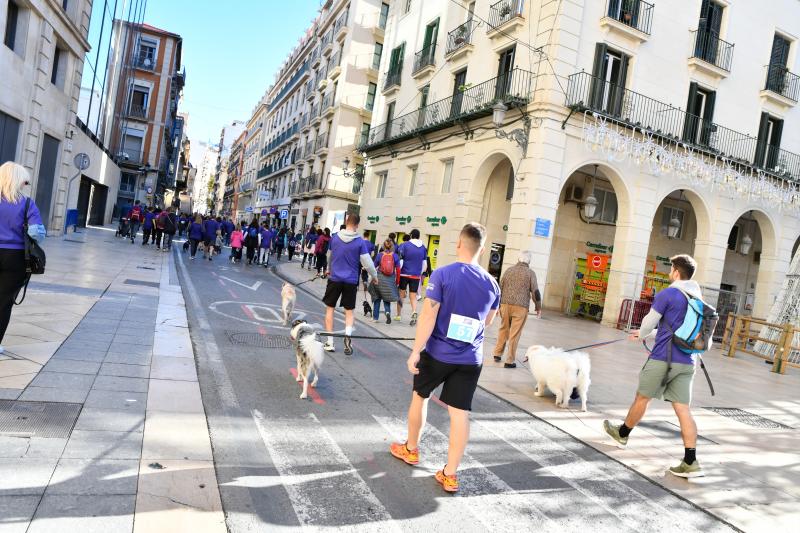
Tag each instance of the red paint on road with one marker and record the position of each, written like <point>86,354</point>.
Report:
<point>311,390</point>
<point>368,353</point>
<point>233,295</point>
<point>262,330</point>
<point>248,312</point>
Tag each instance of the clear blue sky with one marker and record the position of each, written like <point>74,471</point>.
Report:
<point>231,51</point>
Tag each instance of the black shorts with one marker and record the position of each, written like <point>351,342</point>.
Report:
<point>336,290</point>
<point>409,283</point>
<point>460,381</point>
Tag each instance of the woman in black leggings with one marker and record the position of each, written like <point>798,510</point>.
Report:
<point>12,237</point>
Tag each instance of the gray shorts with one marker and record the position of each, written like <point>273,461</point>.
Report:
<point>678,388</point>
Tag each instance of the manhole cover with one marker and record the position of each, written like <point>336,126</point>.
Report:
<point>258,340</point>
<point>37,419</point>
<point>140,282</point>
<point>745,417</point>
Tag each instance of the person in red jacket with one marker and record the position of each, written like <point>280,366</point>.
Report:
<point>321,250</point>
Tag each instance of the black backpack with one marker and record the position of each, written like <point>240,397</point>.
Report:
<point>35,258</point>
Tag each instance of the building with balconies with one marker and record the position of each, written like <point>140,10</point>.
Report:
<point>251,160</point>
<point>235,165</point>
<point>602,136</point>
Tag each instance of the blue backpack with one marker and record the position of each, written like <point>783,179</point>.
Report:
<point>696,333</point>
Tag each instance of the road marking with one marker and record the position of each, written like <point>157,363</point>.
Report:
<point>299,444</point>
<point>312,391</point>
<point>269,315</point>
<point>491,500</point>
<point>616,498</point>
<point>253,287</point>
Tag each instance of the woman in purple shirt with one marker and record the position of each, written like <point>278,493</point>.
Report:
<point>12,236</point>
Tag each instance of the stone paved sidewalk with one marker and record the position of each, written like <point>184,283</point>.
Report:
<point>752,478</point>
<point>105,332</point>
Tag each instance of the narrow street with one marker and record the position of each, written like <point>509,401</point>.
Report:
<point>324,462</point>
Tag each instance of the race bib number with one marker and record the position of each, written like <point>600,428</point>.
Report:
<point>463,328</point>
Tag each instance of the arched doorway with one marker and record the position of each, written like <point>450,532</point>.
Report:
<point>496,209</point>
<point>583,242</point>
<point>741,271</point>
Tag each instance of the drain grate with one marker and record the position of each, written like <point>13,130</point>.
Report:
<point>748,418</point>
<point>140,282</point>
<point>37,419</point>
<point>258,340</point>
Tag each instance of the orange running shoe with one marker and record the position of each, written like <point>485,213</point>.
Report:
<point>401,451</point>
<point>448,483</point>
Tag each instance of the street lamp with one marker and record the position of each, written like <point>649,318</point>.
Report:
<point>674,227</point>
<point>746,243</point>
<point>518,135</point>
<point>589,206</point>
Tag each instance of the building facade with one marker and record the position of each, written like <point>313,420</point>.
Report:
<point>251,153</point>
<point>202,195</point>
<point>141,123</point>
<point>602,136</point>
<point>41,63</point>
<point>230,199</point>
<point>227,136</point>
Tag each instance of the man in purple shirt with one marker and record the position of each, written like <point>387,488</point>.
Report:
<point>349,252</point>
<point>461,300</point>
<point>265,246</point>
<point>148,228</point>
<point>666,378</point>
<point>413,262</point>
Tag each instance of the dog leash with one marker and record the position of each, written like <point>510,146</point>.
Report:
<point>274,270</point>
<point>595,345</point>
<point>702,366</point>
<point>368,337</point>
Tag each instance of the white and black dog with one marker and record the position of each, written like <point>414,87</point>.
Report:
<point>561,372</point>
<point>309,352</point>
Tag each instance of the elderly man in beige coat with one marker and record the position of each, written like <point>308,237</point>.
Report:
<point>518,288</point>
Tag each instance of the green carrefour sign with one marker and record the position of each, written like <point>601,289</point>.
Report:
<point>403,220</point>
<point>435,221</point>
<point>373,219</point>
<point>599,247</point>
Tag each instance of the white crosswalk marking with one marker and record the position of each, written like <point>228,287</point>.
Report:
<point>484,495</point>
<point>302,446</point>
<point>615,497</point>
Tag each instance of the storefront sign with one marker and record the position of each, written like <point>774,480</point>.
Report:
<point>597,262</point>
<point>373,219</point>
<point>436,221</point>
<point>599,247</point>
<point>664,260</point>
<point>403,220</point>
<point>542,227</point>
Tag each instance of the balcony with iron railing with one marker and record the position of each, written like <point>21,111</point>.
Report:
<point>127,155</point>
<point>340,26</point>
<point>326,42</point>
<point>310,89</point>
<point>709,48</point>
<point>334,68</point>
<point>781,81</point>
<point>672,124</point>
<point>635,14</point>
<point>503,12</point>
<point>144,62</point>
<point>460,38</point>
<point>469,102</point>
<point>424,60</point>
<point>327,103</point>
<point>322,142</point>
<point>315,56</point>
<point>137,111</point>
<point>308,152</point>
<point>393,78</point>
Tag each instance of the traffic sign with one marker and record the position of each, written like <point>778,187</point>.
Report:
<point>82,161</point>
<point>284,214</point>
<point>248,209</point>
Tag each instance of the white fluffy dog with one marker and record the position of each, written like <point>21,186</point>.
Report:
<point>309,352</point>
<point>561,372</point>
<point>288,299</point>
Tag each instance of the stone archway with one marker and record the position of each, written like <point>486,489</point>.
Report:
<point>571,286</point>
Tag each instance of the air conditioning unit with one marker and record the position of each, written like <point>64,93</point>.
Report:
<point>574,194</point>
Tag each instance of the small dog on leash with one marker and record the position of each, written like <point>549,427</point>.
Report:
<point>367,309</point>
<point>288,298</point>
<point>309,352</point>
<point>561,372</point>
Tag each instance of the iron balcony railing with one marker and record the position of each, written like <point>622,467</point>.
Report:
<point>425,57</point>
<point>313,112</point>
<point>327,101</point>
<point>393,77</point>
<point>137,111</point>
<point>783,82</point>
<point>144,62</point>
<point>350,184</point>
<point>588,93</point>
<point>503,11</point>
<point>335,60</point>
<point>309,150</point>
<point>309,88</point>
<point>467,102</point>
<point>340,23</point>
<point>460,37</point>
<point>321,142</point>
<point>711,49</point>
<point>130,155</point>
<point>280,139</point>
<point>637,14</point>
<point>326,39</point>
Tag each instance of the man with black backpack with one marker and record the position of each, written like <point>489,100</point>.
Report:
<point>669,372</point>
<point>135,216</point>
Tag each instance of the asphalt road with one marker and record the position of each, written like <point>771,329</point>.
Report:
<point>323,463</point>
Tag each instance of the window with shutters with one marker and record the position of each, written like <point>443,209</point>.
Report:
<point>609,75</point>
<point>707,45</point>
<point>412,180</point>
<point>698,127</point>
<point>768,146</point>
<point>447,176</point>
<point>380,185</point>
<point>777,73</point>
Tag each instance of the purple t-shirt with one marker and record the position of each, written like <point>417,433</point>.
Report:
<point>266,238</point>
<point>413,257</point>
<point>672,305</point>
<point>346,259</point>
<point>465,292</point>
<point>148,219</point>
<point>210,228</point>
<point>12,219</point>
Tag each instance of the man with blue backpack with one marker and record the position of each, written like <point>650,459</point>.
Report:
<point>684,327</point>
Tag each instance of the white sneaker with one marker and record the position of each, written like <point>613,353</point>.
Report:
<point>329,347</point>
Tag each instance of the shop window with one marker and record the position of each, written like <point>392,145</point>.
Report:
<point>447,176</point>
<point>606,206</point>
<point>380,189</point>
<point>667,215</point>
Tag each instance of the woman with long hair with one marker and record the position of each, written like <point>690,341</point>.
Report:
<point>13,178</point>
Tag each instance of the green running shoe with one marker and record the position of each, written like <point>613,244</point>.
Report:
<point>613,432</point>
<point>687,471</point>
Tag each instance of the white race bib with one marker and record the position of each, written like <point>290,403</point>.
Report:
<point>463,328</point>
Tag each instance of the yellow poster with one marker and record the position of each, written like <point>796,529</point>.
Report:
<point>433,254</point>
